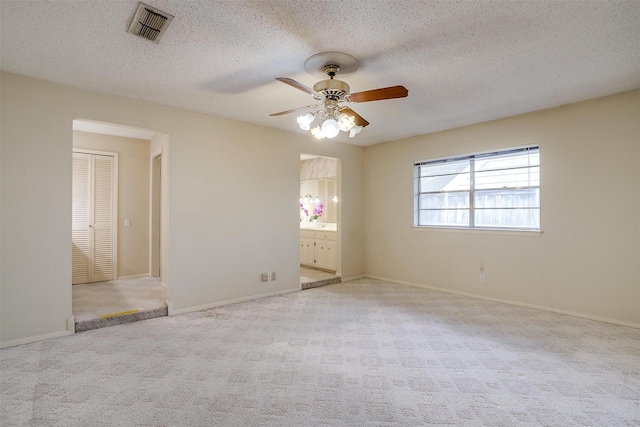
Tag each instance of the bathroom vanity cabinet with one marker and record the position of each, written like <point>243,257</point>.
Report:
<point>318,249</point>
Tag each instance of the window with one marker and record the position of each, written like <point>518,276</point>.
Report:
<point>491,190</point>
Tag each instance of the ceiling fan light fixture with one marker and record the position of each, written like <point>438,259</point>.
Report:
<point>331,93</point>
<point>305,121</point>
<point>354,131</point>
<point>345,123</point>
<point>330,128</point>
<point>317,132</point>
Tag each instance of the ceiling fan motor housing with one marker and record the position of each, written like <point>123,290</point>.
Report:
<point>335,90</point>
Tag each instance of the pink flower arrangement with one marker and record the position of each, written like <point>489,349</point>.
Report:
<point>317,212</point>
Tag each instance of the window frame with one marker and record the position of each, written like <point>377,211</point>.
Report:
<point>472,190</point>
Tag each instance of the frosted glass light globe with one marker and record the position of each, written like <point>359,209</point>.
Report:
<point>305,121</point>
<point>317,132</point>
<point>330,128</point>
<point>354,131</point>
<point>346,122</point>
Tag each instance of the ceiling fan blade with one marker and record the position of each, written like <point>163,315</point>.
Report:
<point>360,121</point>
<point>299,86</point>
<point>379,94</point>
<point>294,110</point>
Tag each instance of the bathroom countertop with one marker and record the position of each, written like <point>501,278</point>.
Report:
<point>318,227</point>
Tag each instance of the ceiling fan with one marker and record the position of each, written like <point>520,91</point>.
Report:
<point>331,116</point>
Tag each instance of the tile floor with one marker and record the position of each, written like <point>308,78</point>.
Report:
<point>308,275</point>
<point>310,278</point>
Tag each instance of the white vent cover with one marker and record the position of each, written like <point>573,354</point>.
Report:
<point>149,23</point>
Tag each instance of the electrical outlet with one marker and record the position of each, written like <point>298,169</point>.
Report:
<point>273,276</point>
<point>264,277</point>
<point>269,276</point>
<point>127,222</point>
<point>481,277</point>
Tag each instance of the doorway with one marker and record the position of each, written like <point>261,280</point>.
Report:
<point>320,231</point>
<point>136,289</point>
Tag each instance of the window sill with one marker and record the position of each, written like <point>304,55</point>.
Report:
<point>498,231</point>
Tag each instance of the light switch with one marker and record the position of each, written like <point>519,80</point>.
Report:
<point>127,223</point>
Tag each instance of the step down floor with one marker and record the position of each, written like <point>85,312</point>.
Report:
<point>102,304</point>
<point>119,319</point>
<point>311,278</point>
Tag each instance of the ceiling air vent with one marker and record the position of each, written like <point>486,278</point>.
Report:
<point>149,23</point>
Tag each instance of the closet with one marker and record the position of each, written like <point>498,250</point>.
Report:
<point>94,215</point>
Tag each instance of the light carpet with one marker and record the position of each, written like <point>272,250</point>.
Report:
<point>361,353</point>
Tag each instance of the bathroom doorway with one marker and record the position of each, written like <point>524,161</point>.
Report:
<point>319,203</point>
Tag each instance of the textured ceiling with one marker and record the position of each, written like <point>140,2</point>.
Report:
<point>463,62</point>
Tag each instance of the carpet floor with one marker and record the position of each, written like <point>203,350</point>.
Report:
<point>361,353</point>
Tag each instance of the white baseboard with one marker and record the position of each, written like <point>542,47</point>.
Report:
<point>164,285</point>
<point>71,325</point>
<point>232,301</point>
<point>134,276</point>
<point>29,340</point>
<point>347,279</point>
<point>519,304</point>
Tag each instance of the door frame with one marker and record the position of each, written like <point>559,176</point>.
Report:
<point>114,214</point>
<point>153,181</point>
<point>338,189</point>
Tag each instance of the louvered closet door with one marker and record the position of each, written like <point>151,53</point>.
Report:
<point>80,213</point>
<point>92,216</point>
<point>102,217</point>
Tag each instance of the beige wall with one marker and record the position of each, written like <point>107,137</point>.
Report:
<point>133,196</point>
<point>587,259</point>
<point>218,171</point>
